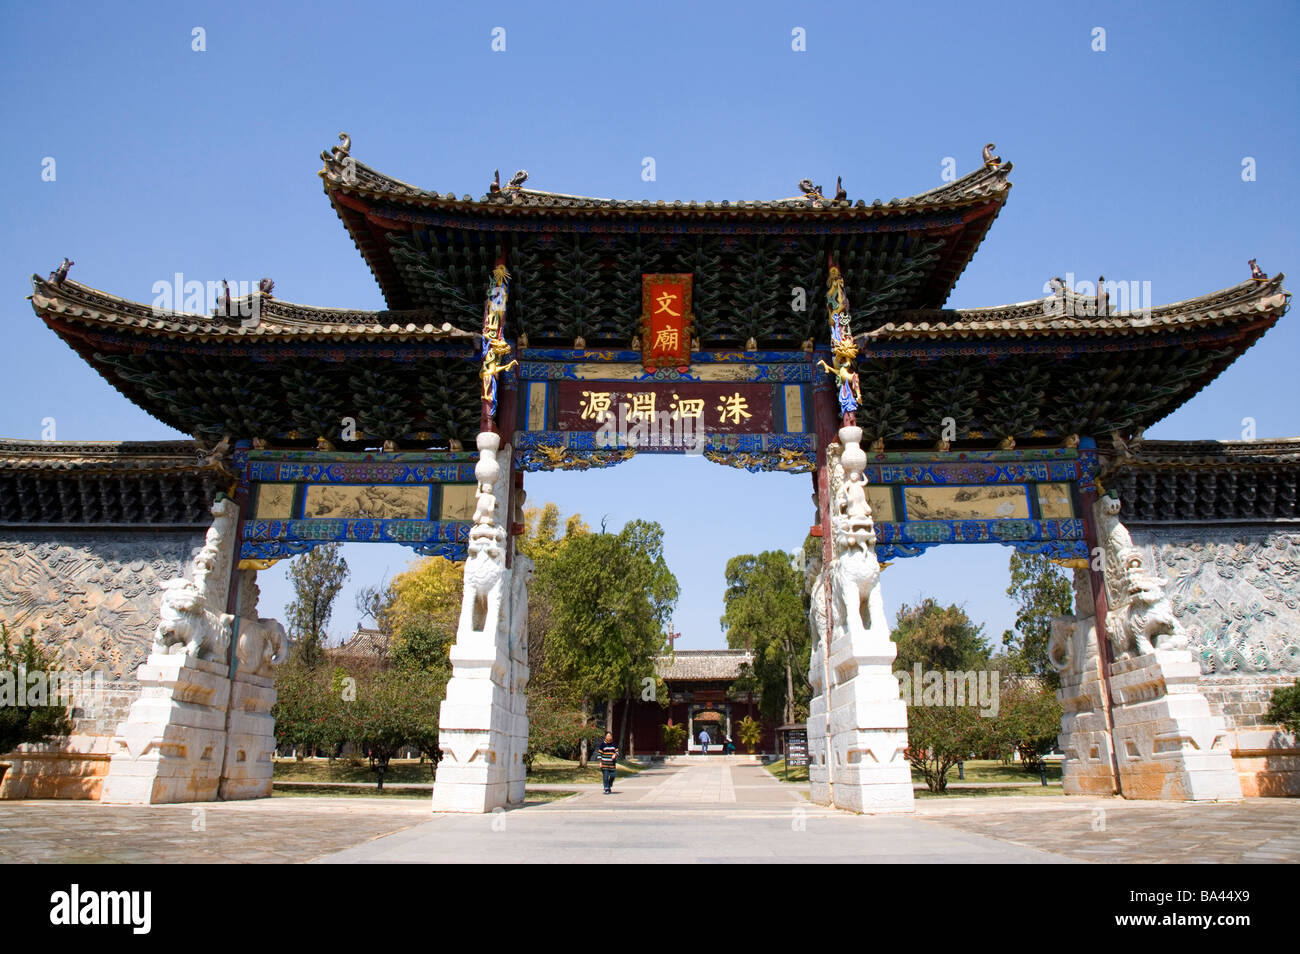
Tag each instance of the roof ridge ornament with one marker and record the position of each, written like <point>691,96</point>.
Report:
<point>59,274</point>
<point>1256,273</point>
<point>340,152</point>
<point>813,193</point>
<point>991,161</point>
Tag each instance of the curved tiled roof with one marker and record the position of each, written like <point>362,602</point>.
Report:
<point>372,205</point>
<point>286,321</point>
<point>1073,315</point>
<point>1219,453</point>
<point>347,175</point>
<point>277,319</point>
<point>702,664</point>
<point>100,456</point>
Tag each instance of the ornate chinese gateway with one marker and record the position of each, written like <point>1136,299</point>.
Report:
<point>529,331</point>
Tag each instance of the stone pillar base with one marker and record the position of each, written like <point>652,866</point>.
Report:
<point>474,733</point>
<point>74,767</point>
<point>1267,761</point>
<point>172,746</point>
<point>869,771</point>
<point>250,746</point>
<point>1086,768</point>
<point>1167,743</point>
<point>471,777</point>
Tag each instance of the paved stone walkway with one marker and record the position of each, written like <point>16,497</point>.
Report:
<point>705,812</point>
<point>696,812</point>
<point>1256,831</point>
<point>268,830</point>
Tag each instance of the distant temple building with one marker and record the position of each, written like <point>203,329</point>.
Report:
<point>700,697</point>
<point>364,646</point>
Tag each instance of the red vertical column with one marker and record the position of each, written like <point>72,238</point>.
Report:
<point>1105,654</point>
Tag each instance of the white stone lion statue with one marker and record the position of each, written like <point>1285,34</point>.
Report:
<point>186,625</point>
<point>1146,622</point>
<point>262,644</point>
<point>855,578</point>
<point>480,606</point>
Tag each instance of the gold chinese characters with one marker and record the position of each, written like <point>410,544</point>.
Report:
<point>598,406</point>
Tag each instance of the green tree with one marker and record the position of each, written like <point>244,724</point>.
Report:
<point>1028,721</point>
<point>317,577</point>
<point>554,727</point>
<point>424,648</point>
<point>37,719</point>
<point>540,538</point>
<point>611,597</point>
<point>938,737</point>
<point>422,612</point>
<point>551,699</point>
<point>765,612</point>
<point>305,712</point>
<point>750,733</point>
<point>394,708</point>
<point>674,737</point>
<point>938,637</point>
<point>1041,591</point>
<point>1284,708</point>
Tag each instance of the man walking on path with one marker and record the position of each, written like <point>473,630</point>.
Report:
<point>705,740</point>
<point>608,753</point>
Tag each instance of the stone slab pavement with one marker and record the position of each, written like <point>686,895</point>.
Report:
<point>704,813</point>
<point>675,813</point>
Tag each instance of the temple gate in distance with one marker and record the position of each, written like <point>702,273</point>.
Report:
<point>531,331</point>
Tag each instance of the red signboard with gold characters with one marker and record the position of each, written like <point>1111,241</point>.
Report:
<point>666,321</point>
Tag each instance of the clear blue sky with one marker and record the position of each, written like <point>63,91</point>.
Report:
<point>1127,162</point>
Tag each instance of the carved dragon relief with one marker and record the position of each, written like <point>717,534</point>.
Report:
<point>1238,599</point>
<point>90,597</point>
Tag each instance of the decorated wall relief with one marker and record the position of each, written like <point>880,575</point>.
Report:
<point>91,595</point>
<point>1236,592</point>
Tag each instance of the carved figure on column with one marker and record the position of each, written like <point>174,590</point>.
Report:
<point>495,347</point>
<point>1063,651</point>
<point>855,570</point>
<point>843,348</point>
<point>486,564</point>
<point>1140,619</point>
<point>190,608</point>
<point>263,643</point>
<point>185,624</point>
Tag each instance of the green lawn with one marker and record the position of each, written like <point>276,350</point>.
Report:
<point>342,792</point>
<point>992,770</point>
<point>405,771</point>
<point>980,770</point>
<point>1035,789</point>
<point>798,773</point>
<point>550,771</point>
<point>326,791</point>
<point>339,770</point>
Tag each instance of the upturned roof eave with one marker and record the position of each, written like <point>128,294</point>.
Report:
<point>1245,302</point>
<point>278,320</point>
